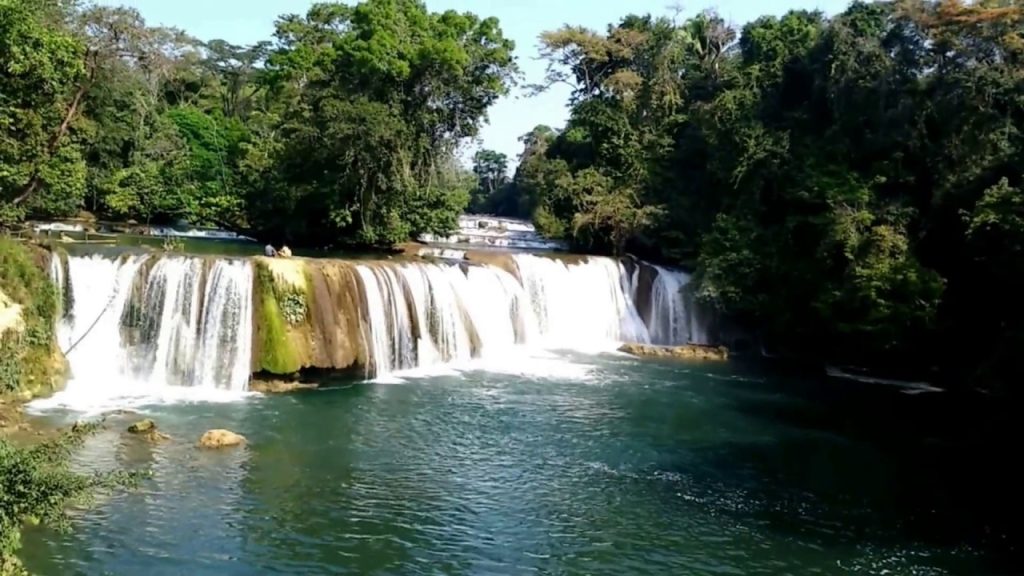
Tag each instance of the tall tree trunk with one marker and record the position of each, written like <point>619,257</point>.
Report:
<point>36,179</point>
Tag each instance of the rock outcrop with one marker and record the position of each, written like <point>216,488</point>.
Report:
<point>142,426</point>
<point>307,316</point>
<point>278,386</point>
<point>686,352</point>
<point>10,315</point>
<point>147,429</point>
<point>219,438</point>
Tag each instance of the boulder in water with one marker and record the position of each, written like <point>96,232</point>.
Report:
<point>688,351</point>
<point>147,429</point>
<point>221,439</point>
<point>142,426</point>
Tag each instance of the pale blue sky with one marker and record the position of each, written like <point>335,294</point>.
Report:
<point>247,21</point>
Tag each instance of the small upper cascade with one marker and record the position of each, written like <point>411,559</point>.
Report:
<point>496,232</point>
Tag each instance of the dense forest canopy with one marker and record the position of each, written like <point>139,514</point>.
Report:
<point>847,187</point>
<point>851,186</point>
<point>343,128</point>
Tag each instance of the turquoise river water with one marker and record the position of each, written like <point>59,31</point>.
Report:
<point>579,465</point>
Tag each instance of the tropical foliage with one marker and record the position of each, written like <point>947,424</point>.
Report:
<point>342,129</point>
<point>848,187</point>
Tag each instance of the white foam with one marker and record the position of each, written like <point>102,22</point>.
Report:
<point>534,363</point>
<point>113,395</point>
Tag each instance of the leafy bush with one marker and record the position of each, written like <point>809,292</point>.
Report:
<point>23,279</point>
<point>37,484</point>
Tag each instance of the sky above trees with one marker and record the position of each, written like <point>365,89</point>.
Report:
<point>248,21</point>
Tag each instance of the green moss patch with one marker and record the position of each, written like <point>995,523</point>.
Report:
<point>276,351</point>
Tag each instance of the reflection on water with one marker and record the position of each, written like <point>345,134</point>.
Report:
<point>623,468</point>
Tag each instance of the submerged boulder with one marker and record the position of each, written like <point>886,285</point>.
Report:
<point>147,429</point>
<point>688,351</point>
<point>142,426</point>
<point>220,439</point>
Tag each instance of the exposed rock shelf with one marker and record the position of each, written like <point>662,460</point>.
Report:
<point>687,351</point>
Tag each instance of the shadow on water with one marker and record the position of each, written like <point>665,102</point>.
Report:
<point>887,466</point>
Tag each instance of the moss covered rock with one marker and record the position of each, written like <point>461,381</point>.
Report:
<point>142,426</point>
<point>306,315</point>
<point>278,348</point>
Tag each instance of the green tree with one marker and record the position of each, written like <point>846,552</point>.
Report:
<point>491,169</point>
<point>41,63</point>
<point>380,96</point>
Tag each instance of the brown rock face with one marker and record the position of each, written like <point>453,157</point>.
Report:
<point>221,439</point>
<point>689,351</point>
<point>278,386</point>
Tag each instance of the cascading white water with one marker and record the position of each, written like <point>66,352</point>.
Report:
<point>495,231</point>
<point>60,284</point>
<point>168,349</point>
<point>90,334</point>
<point>391,339</point>
<point>443,336</point>
<point>421,314</point>
<point>136,330</point>
<point>455,314</point>
<point>586,304</point>
<point>149,324</point>
<point>673,318</point>
<point>226,331</point>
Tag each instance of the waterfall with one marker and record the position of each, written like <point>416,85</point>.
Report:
<point>498,232</point>
<point>60,285</point>
<point>420,315</point>
<point>225,334</point>
<point>164,324</point>
<point>142,324</point>
<point>390,329</point>
<point>673,316</point>
<point>583,304</point>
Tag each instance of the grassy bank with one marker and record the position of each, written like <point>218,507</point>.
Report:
<point>30,363</point>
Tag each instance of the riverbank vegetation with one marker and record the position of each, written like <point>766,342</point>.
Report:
<point>38,485</point>
<point>30,363</point>
<point>850,186</point>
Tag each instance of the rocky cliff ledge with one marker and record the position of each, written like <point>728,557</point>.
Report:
<point>688,352</point>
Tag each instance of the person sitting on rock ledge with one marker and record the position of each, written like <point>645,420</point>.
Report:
<point>284,252</point>
<point>269,251</point>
